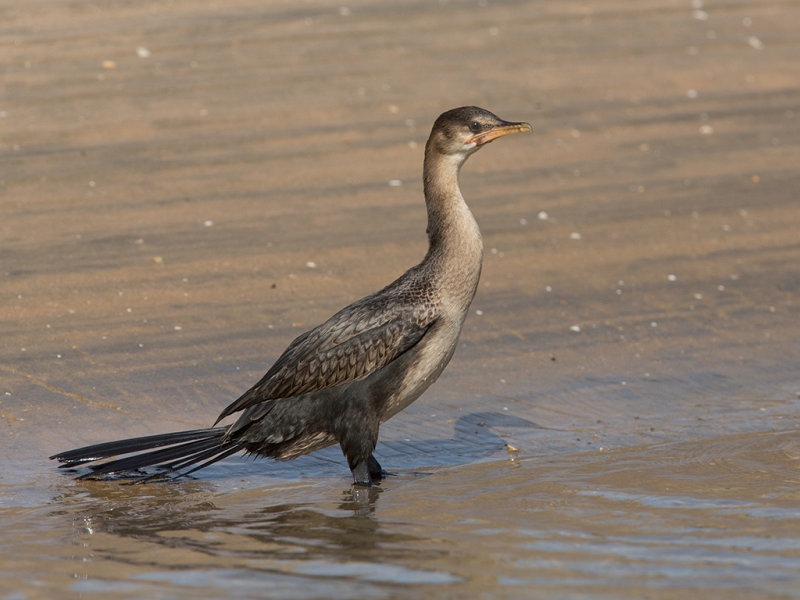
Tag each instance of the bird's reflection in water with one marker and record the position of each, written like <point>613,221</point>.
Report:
<point>361,500</point>
<point>333,524</point>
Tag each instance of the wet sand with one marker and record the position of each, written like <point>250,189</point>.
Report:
<point>185,188</point>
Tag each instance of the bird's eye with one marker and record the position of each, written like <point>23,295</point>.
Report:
<point>475,127</point>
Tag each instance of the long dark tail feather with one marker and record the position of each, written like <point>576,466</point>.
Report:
<point>171,453</point>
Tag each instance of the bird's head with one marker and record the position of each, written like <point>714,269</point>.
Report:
<point>461,131</point>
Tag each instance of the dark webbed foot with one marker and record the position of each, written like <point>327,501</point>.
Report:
<point>375,470</point>
<point>367,471</point>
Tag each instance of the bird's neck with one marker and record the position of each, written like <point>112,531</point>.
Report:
<point>455,244</point>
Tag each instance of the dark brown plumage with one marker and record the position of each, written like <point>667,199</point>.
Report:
<point>339,381</point>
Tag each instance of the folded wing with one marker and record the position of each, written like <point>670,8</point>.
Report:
<point>351,345</point>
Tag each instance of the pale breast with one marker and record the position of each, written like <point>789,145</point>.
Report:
<point>423,367</point>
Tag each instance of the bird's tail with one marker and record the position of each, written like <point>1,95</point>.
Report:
<point>174,454</point>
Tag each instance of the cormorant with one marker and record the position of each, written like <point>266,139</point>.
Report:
<point>339,381</point>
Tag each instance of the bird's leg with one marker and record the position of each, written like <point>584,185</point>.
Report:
<point>357,448</point>
<point>367,471</point>
<point>361,474</point>
<point>357,445</point>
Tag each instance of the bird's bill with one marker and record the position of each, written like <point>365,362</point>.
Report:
<point>485,137</point>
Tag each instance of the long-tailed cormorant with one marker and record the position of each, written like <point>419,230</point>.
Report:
<point>339,381</point>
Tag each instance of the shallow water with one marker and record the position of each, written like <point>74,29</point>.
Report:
<point>186,188</point>
<point>688,518</point>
